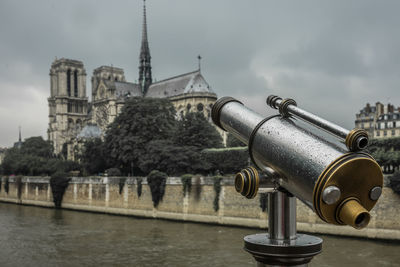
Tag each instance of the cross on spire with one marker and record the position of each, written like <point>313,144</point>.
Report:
<point>199,58</point>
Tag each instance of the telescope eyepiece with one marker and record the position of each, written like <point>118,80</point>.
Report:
<point>352,213</point>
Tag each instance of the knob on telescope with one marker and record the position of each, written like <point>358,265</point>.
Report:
<point>247,182</point>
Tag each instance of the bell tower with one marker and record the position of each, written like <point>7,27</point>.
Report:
<point>67,102</point>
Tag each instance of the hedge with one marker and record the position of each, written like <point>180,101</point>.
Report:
<point>226,160</point>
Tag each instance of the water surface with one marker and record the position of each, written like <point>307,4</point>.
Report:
<point>33,236</point>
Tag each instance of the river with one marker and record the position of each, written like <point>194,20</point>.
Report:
<point>33,236</point>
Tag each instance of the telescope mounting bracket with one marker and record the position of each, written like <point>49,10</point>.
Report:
<point>282,245</point>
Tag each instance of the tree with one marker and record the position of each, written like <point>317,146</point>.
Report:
<point>35,157</point>
<point>394,182</point>
<point>12,161</point>
<point>93,157</point>
<point>386,151</point>
<point>167,157</point>
<point>194,130</point>
<point>141,120</point>
<point>38,147</point>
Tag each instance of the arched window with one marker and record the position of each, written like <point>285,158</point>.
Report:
<point>200,107</point>
<point>69,82</point>
<point>188,107</point>
<point>76,83</point>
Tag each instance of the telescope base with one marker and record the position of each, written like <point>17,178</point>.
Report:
<point>296,252</point>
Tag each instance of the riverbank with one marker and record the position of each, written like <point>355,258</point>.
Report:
<point>132,196</point>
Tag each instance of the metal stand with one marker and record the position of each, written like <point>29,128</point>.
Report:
<point>282,246</point>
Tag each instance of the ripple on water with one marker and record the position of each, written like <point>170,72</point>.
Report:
<point>31,236</point>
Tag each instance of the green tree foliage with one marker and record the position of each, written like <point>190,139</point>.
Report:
<point>232,141</point>
<point>386,143</point>
<point>186,180</point>
<point>35,157</point>
<point>386,152</point>
<point>394,182</point>
<point>38,147</point>
<point>165,156</point>
<point>30,159</point>
<point>156,181</point>
<point>113,172</point>
<point>227,160</point>
<point>93,157</point>
<point>217,190</point>
<point>59,182</point>
<point>139,186</point>
<point>194,130</point>
<point>141,120</point>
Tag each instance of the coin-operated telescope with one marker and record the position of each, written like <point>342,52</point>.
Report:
<point>334,177</point>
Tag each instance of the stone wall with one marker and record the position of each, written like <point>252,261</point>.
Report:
<point>102,194</point>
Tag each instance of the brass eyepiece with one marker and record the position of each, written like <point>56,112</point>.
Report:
<point>352,213</point>
<point>247,182</point>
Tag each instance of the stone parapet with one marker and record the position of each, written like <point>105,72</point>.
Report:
<point>119,195</point>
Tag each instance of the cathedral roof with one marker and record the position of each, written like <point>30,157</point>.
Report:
<point>110,69</point>
<point>192,82</point>
<point>90,131</point>
<point>124,89</point>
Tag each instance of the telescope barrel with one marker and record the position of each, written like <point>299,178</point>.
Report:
<point>321,174</point>
<point>355,140</point>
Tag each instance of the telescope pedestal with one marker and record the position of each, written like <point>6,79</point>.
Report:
<point>282,246</point>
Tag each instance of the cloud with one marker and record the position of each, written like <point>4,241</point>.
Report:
<point>331,56</point>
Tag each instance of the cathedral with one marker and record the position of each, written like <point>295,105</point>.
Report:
<point>72,117</point>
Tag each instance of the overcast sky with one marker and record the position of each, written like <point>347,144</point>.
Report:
<point>332,57</point>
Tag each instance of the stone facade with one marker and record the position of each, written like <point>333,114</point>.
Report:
<point>68,104</point>
<point>118,195</point>
<point>70,114</point>
<point>105,103</point>
<point>379,121</point>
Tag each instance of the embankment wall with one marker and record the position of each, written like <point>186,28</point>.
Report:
<point>119,195</point>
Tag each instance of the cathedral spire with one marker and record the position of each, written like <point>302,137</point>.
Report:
<point>19,139</point>
<point>145,78</point>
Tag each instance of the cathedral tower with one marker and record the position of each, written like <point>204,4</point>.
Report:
<point>67,102</point>
<point>145,78</point>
